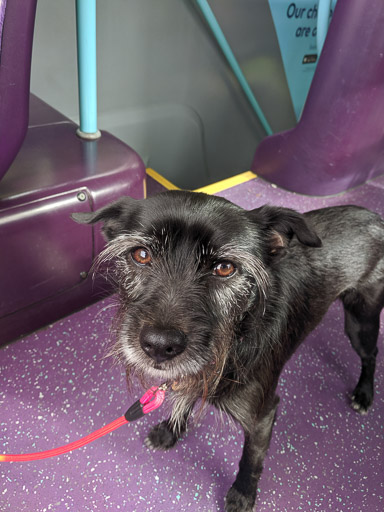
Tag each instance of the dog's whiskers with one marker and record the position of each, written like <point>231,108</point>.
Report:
<point>105,308</point>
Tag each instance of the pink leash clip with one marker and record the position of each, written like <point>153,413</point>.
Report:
<point>151,400</point>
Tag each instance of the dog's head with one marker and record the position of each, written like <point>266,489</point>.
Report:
<point>189,267</point>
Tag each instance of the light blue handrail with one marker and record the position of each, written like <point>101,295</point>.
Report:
<point>323,12</point>
<point>87,71</point>
<point>228,53</point>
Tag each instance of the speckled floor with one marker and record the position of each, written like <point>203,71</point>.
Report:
<point>56,385</point>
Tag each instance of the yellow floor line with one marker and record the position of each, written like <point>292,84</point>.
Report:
<point>220,186</point>
<point>228,183</point>
<point>160,179</point>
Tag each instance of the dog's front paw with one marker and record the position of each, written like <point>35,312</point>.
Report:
<point>161,437</point>
<point>237,502</point>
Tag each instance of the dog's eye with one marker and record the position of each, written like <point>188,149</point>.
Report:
<point>141,256</point>
<point>224,269</point>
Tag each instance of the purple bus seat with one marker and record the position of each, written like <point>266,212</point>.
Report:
<point>46,258</point>
<point>339,140</point>
<point>16,31</point>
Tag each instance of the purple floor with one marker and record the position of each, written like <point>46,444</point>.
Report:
<point>56,385</point>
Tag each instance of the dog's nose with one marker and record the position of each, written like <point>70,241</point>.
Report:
<point>162,344</point>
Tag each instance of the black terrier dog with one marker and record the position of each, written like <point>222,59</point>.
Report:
<point>216,299</point>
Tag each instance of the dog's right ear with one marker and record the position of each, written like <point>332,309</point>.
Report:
<point>279,225</point>
<point>115,216</point>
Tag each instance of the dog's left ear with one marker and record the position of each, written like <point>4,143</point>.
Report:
<point>280,225</point>
<point>115,216</point>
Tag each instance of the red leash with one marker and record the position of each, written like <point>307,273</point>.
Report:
<point>150,401</point>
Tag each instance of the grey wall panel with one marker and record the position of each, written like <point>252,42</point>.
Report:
<point>164,86</point>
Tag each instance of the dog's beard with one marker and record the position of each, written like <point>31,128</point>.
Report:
<point>188,363</point>
<point>196,372</point>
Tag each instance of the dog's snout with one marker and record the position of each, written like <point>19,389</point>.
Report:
<point>162,344</point>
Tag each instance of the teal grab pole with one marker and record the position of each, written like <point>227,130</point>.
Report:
<point>86,65</point>
<point>323,12</point>
<point>227,51</point>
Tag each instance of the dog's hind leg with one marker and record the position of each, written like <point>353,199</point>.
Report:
<point>362,323</point>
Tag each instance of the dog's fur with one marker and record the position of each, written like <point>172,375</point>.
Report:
<point>225,340</point>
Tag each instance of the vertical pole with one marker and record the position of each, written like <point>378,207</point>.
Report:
<point>231,59</point>
<point>324,9</point>
<point>87,71</point>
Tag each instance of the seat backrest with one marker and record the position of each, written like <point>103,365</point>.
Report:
<point>17,20</point>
